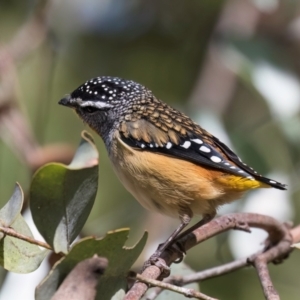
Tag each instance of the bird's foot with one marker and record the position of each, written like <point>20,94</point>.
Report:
<point>156,260</point>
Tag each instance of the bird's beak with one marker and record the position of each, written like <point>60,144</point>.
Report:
<point>66,101</point>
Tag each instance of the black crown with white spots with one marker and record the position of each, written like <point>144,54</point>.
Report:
<point>107,89</point>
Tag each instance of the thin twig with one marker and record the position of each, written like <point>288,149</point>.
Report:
<point>221,270</point>
<point>167,286</point>
<point>263,273</point>
<point>277,233</point>
<point>201,276</point>
<point>13,233</point>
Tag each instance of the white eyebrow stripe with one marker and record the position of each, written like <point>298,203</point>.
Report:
<point>96,104</point>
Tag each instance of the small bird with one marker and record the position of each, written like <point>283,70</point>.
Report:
<point>165,160</point>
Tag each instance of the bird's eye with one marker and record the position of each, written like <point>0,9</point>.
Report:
<point>90,109</point>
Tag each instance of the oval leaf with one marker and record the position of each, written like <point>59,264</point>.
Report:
<point>120,259</point>
<point>17,255</point>
<point>61,197</point>
<point>12,208</point>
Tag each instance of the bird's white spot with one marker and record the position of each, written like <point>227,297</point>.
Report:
<point>186,144</point>
<point>169,145</point>
<point>204,149</point>
<point>143,146</point>
<point>232,167</point>
<point>96,93</point>
<point>151,145</point>
<point>240,171</point>
<point>272,181</point>
<point>110,98</point>
<point>215,159</point>
<point>156,145</point>
<point>197,141</point>
<point>103,97</point>
<point>110,92</point>
<point>227,164</point>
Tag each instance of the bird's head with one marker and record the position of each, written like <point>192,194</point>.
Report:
<point>103,101</point>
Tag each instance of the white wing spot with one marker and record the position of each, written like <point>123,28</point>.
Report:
<point>204,149</point>
<point>232,167</point>
<point>143,146</point>
<point>151,145</point>
<point>197,141</point>
<point>169,145</point>
<point>272,181</point>
<point>186,144</point>
<point>215,159</point>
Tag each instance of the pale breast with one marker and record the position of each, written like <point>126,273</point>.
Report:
<point>165,184</point>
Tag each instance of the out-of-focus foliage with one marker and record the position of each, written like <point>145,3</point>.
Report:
<point>120,259</point>
<point>61,197</point>
<point>17,255</point>
<point>232,65</point>
<point>61,200</point>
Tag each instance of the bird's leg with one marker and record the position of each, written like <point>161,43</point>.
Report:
<point>185,218</point>
<point>206,218</point>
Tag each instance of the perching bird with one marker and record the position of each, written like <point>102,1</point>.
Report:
<point>165,160</point>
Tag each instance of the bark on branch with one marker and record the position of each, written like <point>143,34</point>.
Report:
<point>278,247</point>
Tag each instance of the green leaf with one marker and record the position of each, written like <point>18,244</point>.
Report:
<point>119,295</point>
<point>178,270</point>
<point>12,208</point>
<point>120,259</point>
<point>61,197</point>
<point>17,255</point>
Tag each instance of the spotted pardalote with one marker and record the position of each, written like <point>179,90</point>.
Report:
<point>166,161</point>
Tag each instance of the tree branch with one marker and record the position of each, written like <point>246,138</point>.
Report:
<point>279,241</point>
<point>178,289</point>
<point>13,233</point>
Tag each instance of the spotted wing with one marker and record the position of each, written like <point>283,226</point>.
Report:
<point>174,134</point>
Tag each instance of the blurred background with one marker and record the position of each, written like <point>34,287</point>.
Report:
<point>233,66</point>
